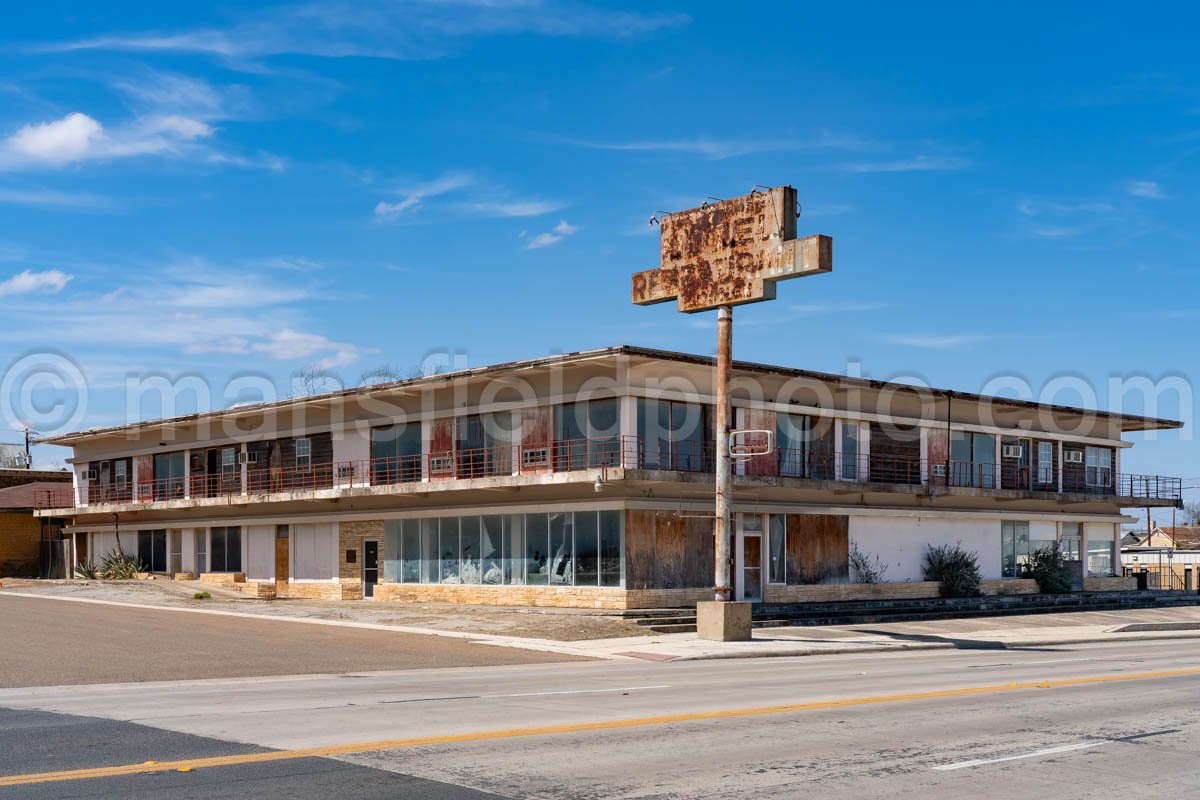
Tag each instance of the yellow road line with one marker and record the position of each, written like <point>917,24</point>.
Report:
<point>188,765</point>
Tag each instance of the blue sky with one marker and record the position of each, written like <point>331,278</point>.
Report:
<point>250,189</point>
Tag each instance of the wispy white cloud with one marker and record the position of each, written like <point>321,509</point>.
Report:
<point>412,197</point>
<point>27,281</point>
<point>1148,190</point>
<point>292,345</point>
<point>836,308</point>
<point>951,342</point>
<point>560,231</point>
<point>78,137</point>
<point>516,208</point>
<point>404,30</point>
<point>918,163</point>
<point>50,197</point>
<point>722,148</point>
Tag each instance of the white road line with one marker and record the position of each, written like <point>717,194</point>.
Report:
<point>1048,751</point>
<point>578,691</point>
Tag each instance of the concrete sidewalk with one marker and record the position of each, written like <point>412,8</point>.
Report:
<point>1012,632</point>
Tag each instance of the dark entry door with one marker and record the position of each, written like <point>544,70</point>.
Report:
<point>370,567</point>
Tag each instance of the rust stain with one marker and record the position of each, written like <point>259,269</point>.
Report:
<point>731,252</point>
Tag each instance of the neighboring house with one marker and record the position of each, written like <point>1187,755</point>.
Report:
<point>21,533</point>
<point>586,479</point>
<point>1171,556</point>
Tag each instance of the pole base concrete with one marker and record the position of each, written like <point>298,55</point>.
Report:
<point>723,620</point>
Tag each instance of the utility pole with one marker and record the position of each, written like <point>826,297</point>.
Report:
<point>28,452</point>
<point>723,527</point>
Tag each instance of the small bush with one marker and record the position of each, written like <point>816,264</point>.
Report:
<point>864,568</point>
<point>86,570</point>
<point>120,567</point>
<point>1047,566</point>
<point>202,596</point>
<point>955,570</point>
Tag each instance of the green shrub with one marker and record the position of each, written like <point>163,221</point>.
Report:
<point>202,596</point>
<point>955,570</point>
<point>865,568</point>
<point>1047,566</point>
<point>120,567</point>
<point>86,570</point>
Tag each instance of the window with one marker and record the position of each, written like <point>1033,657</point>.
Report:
<point>152,550</point>
<point>470,568</point>
<point>168,476</point>
<point>587,548</point>
<point>483,444</point>
<point>281,531</point>
<point>449,549</point>
<point>396,454</point>
<point>1098,461</point>
<point>228,459</point>
<point>1100,557</point>
<point>850,451</point>
<point>1071,535</point>
<point>303,454</point>
<point>777,549</point>
<point>176,563</point>
<point>227,549</point>
<point>1045,462</point>
<point>973,459</point>
<point>588,434</point>
<point>791,441</point>
<point>1014,548</point>
<point>675,435</point>
<point>201,552</point>
<point>560,548</point>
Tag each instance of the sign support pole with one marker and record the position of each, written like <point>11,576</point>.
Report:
<point>724,492</point>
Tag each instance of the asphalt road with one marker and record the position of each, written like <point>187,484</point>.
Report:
<point>47,642</point>
<point>1084,721</point>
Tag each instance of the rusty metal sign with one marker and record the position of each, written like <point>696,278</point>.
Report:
<point>731,252</point>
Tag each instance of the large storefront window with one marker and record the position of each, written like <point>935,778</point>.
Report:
<point>1014,548</point>
<point>1100,558</point>
<point>560,548</point>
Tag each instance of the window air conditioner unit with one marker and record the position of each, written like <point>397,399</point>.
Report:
<point>248,458</point>
<point>1013,451</point>
<point>441,464</point>
<point>91,475</point>
<point>1073,456</point>
<point>939,470</point>
<point>535,457</point>
<point>343,470</point>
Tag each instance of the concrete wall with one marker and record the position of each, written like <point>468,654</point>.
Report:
<point>901,541</point>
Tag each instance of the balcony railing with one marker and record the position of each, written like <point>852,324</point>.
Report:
<point>616,452</point>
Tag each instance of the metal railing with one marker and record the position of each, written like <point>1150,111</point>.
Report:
<point>631,452</point>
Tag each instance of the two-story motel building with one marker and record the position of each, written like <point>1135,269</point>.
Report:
<point>585,479</point>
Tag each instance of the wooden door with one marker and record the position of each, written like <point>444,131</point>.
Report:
<point>281,563</point>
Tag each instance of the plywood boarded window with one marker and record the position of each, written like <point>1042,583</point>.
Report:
<point>666,550</point>
<point>818,548</point>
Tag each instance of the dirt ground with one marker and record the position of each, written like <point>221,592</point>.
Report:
<point>556,624</point>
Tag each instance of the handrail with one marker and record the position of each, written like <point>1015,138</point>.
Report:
<point>630,452</point>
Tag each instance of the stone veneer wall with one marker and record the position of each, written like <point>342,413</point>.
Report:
<point>350,537</point>
<point>1117,584</point>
